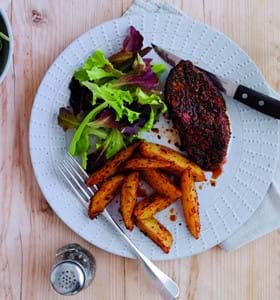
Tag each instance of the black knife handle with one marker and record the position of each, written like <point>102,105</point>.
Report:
<point>263,103</point>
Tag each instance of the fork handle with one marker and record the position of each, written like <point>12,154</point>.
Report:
<point>168,289</point>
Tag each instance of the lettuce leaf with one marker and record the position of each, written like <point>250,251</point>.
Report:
<point>141,75</point>
<point>147,80</point>
<point>158,69</point>
<point>95,160</point>
<point>100,133</point>
<point>82,146</point>
<point>80,98</point>
<point>106,150</point>
<point>66,119</point>
<point>102,125</point>
<point>151,99</point>
<point>122,60</point>
<point>134,41</point>
<point>98,59</point>
<point>80,142</point>
<point>106,119</point>
<point>132,45</point>
<point>114,98</point>
<point>96,67</point>
<point>156,104</point>
<point>81,75</point>
<point>151,121</point>
<point>96,74</point>
<point>113,143</point>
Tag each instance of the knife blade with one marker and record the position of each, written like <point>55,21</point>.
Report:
<point>252,98</point>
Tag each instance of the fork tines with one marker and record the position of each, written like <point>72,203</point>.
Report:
<point>75,175</point>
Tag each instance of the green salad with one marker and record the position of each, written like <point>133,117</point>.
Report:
<point>112,101</point>
<point>3,37</point>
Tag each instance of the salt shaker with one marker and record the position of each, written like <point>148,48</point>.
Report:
<point>74,270</point>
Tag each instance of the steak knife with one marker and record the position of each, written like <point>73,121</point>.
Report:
<point>260,102</point>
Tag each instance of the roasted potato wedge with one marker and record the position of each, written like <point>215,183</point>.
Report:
<point>111,166</point>
<point>161,184</point>
<point>139,164</point>
<point>104,195</point>
<point>128,198</point>
<point>139,206</point>
<point>136,154</point>
<point>156,232</point>
<point>190,203</point>
<point>181,163</point>
<point>155,204</point>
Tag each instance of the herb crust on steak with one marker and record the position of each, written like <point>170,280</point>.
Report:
<point>198,111</point>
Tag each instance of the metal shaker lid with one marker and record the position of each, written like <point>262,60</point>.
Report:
<point>67,278</point>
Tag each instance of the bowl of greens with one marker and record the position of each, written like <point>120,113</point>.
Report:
<point>6,44</point>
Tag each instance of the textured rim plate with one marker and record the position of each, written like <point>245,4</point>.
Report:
<point>252,151</point>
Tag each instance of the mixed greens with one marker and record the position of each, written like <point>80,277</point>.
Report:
<point>3,37</point>
<point>112,101</point>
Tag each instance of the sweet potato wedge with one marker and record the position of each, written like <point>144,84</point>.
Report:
<point>161,184</point>
<point>128,198</point>
<point>139,164</point>
<point>156,232</point>
<point>155,204</point>
<point>104,195</point>
<point>111,166</point>
<point>181,163</point>
<point>190,203</point>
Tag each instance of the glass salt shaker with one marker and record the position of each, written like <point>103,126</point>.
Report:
<point>73,271</point>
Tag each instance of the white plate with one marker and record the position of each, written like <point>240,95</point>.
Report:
<point>252,152</point>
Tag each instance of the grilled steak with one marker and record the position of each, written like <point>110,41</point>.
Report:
<point>198,111</point>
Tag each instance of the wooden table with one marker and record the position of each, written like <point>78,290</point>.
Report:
<point>30,232</point>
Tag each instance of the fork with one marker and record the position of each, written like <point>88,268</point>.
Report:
<point>75,176</point>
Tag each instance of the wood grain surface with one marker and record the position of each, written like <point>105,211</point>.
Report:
<point>30,232</point>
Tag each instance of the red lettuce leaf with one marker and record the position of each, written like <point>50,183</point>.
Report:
<point>134,41</point>
<point>123,60</point>
<point>66,119</point>
<point>143,52</point>
<point>146,80</point>
<point>80,97</point>
<point>132,45</point>
<point>95,161</point>
<point>108,116</point>
<point>147,61</point>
